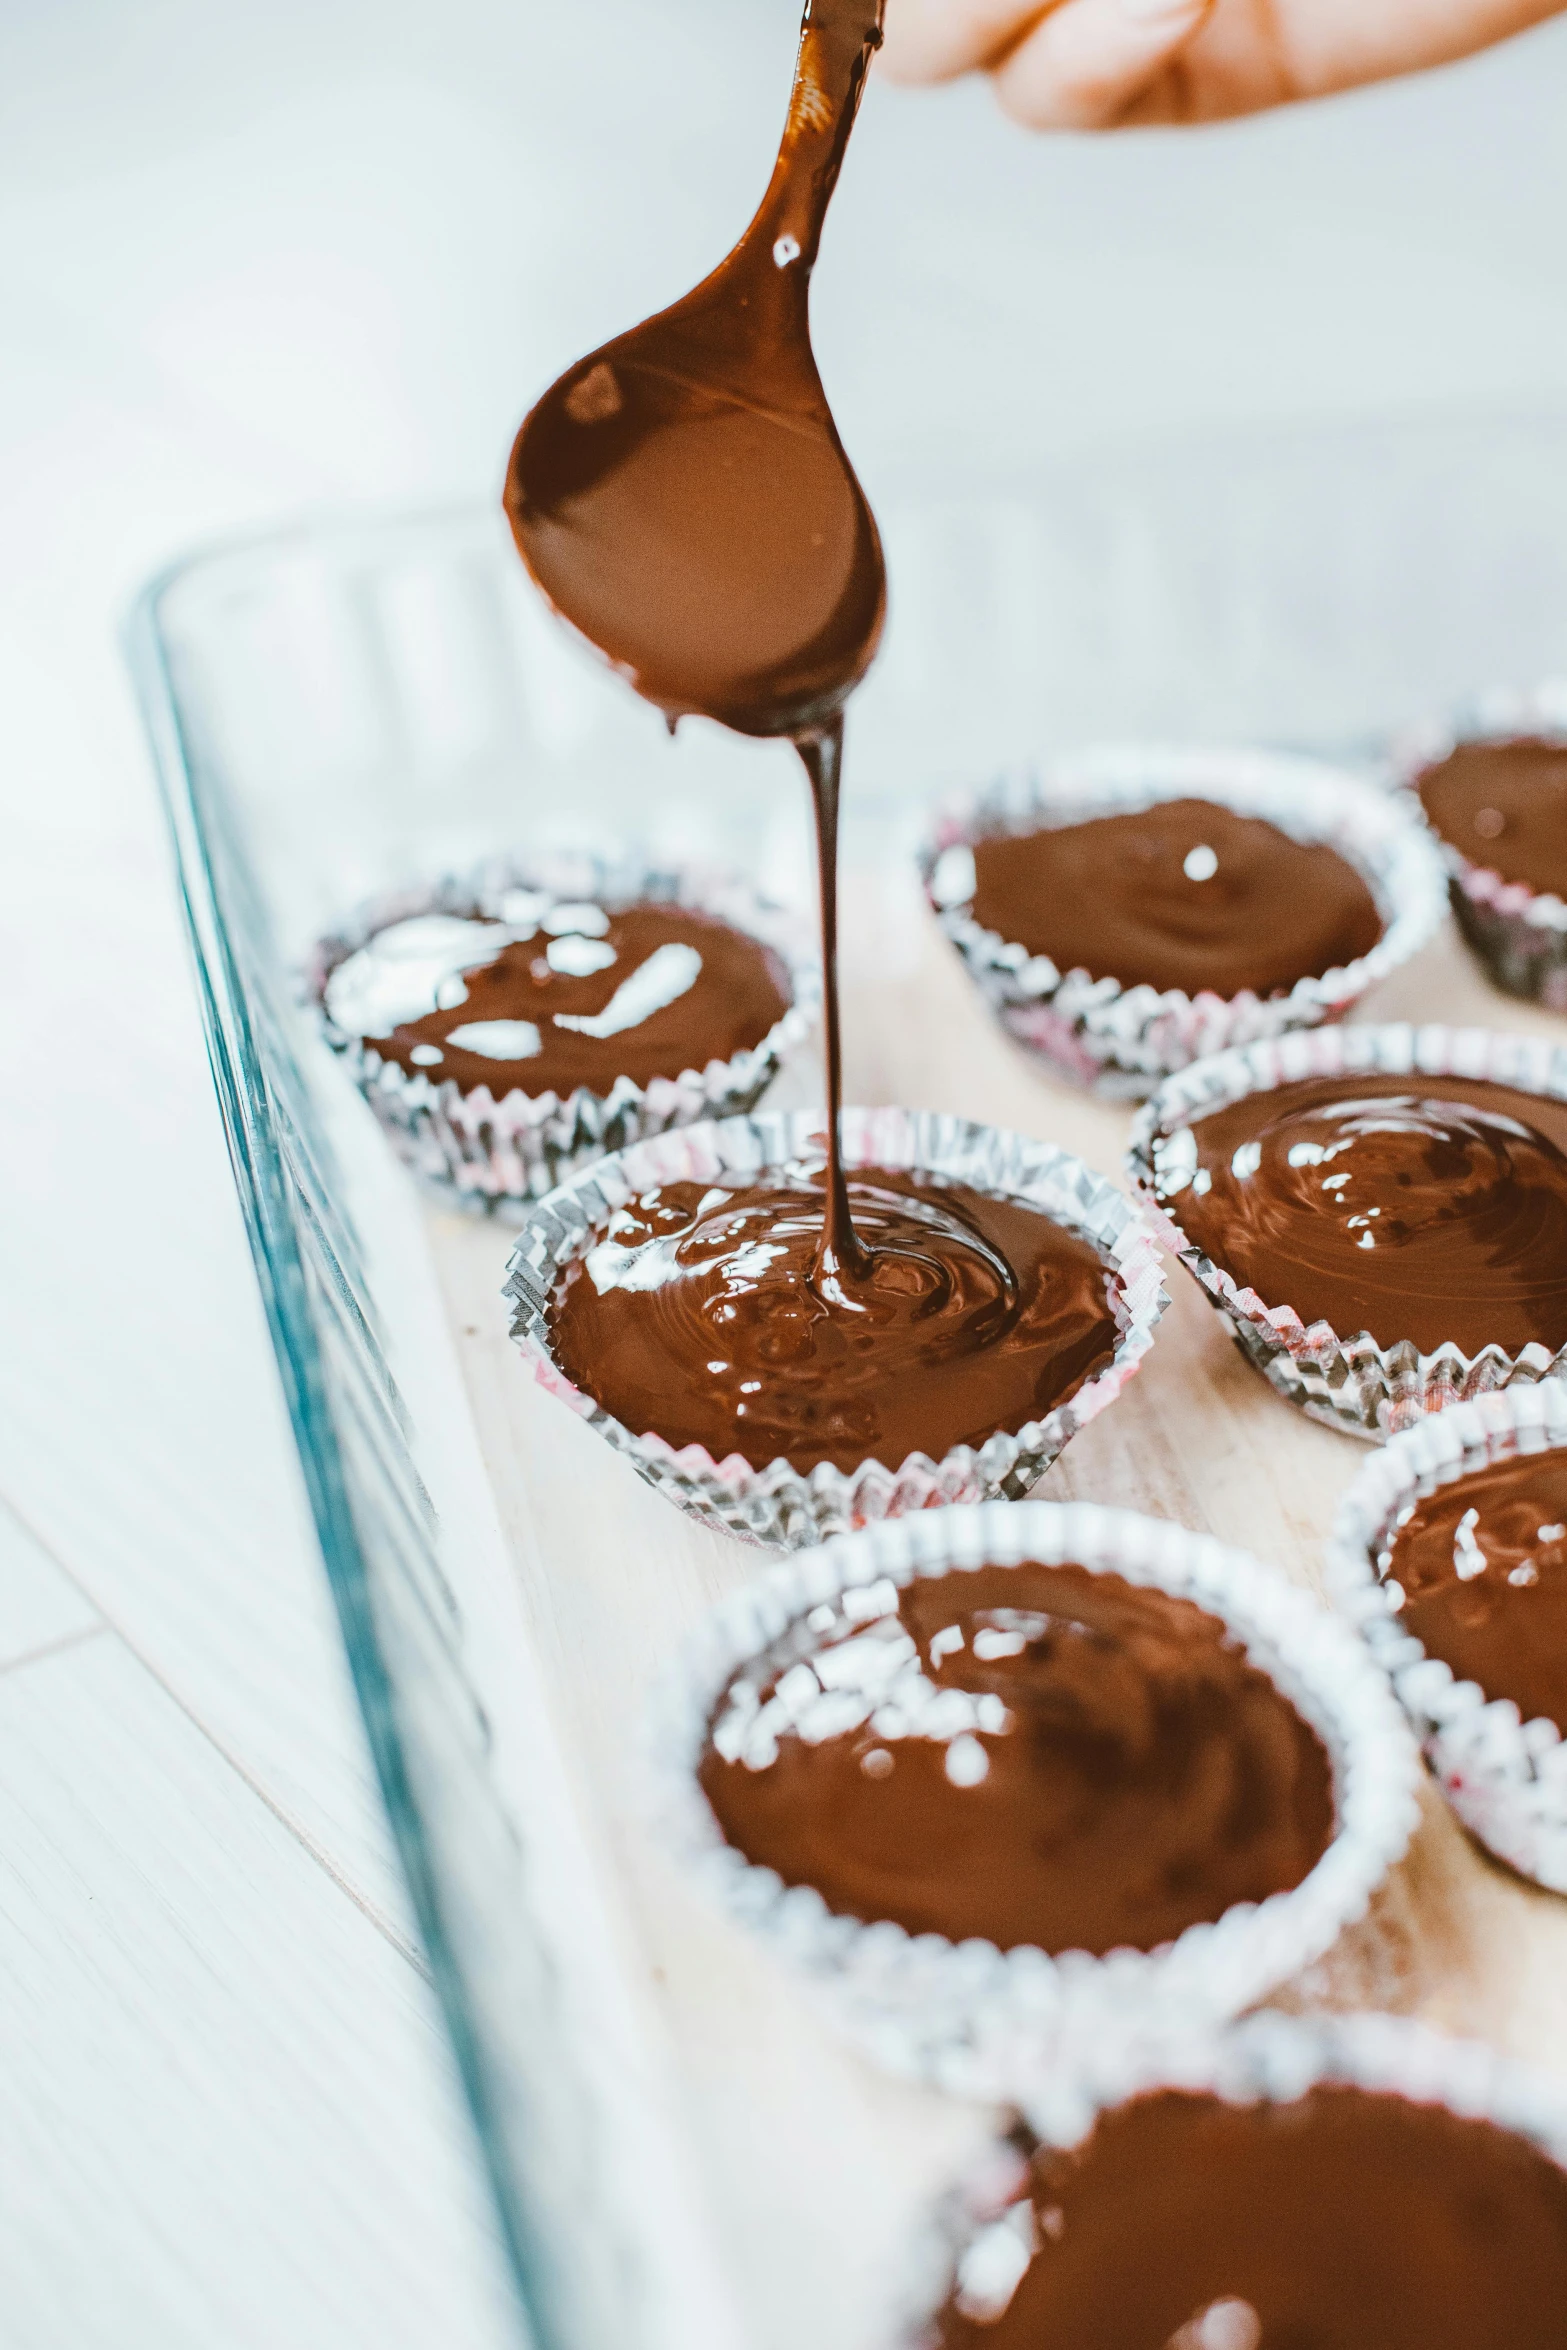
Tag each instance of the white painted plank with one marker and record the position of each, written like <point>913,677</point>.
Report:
<point>230,2115</point>
<point>142,1433</point>
<point>40,1607</point>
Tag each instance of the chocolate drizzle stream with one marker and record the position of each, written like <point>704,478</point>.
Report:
<point>684,501</point>
<point>841,1254</point>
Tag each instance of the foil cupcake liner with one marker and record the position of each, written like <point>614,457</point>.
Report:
<point>1347,1381</point>
<point>496,1155</point>
<point>978,2242</point>
<point>1121,1041</point>
<point>778,1504</point>
<point>1505,1778</point>
<point>1518,934</point>
<point>971,2017</point>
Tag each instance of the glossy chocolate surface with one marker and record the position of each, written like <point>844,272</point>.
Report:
<point>1184,894</point>
<point>1482,1565</point>
<point>682,496</point>
<point>702,1318</point>
<point>1425,1208</point>
<point>1504,805</point>
<point>576,996</point>
<point>1030,1754</point>
<point>1345,2221</point>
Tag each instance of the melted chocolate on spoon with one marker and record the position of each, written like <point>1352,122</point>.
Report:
<point>683,499</point>
<point>1342,2221</point>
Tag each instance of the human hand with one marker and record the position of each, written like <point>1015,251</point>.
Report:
<point>1108,64</point>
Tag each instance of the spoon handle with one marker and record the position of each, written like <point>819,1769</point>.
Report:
<point>838,38</point>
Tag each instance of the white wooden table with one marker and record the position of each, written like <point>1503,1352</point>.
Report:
<point>257,258</point>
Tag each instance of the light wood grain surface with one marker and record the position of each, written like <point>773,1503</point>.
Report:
<point>791,2130</point>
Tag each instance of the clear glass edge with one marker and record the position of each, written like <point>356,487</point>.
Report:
<point>250,1135</point>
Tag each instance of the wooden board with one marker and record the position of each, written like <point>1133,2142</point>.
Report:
<point>792,2132</point>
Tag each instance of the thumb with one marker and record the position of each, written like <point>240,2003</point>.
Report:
<point>1088,64</point>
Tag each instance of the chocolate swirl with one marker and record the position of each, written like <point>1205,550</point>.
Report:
<point>702,1318</point>
<point>1033,1754</point>
<point>1430,1209</point>
<point>1480,1568</point>
<point>1343,2221</point>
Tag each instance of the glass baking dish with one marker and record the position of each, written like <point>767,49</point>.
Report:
<point>677,2153</point>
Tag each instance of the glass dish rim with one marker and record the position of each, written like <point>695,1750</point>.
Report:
<point>249,1130</point>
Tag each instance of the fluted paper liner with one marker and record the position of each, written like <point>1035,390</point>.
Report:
<point>779,1504</point>
<point>1506,1778</point>
<point>498,1154</point>
<point>969,2016</point>
<point>1120,1041</point>
<point>1517,932</point>
<point>978,2239</point>
<point>1344,1379</point>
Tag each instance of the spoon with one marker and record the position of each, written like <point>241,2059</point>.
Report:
<point>682,496</point>
<point>683,499</point>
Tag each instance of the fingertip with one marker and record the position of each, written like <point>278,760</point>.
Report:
<point>1091,64</point>
<point>902,62</point>
<point>912,49</point>
<point>937,40</point>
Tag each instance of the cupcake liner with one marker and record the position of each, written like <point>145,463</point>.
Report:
<point>1348,1382</point>
<point>778,1504</point>
<point>496,1155</point>
<point>1120,1041</point>
<point>980,2237</point>
<point>1517,933</point>
<point>1505,1778</point>
<point>969,2016</point>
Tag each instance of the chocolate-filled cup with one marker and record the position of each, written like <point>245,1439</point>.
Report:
<point>1116,1031</point>
<point>773,1501</point>
<point>492,1144</point>
<point>1483,1197</point>
<point>1508,885</point>
<point>967,2013</point>
<point>1494,1604</point>
<point>1350,2180</point>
